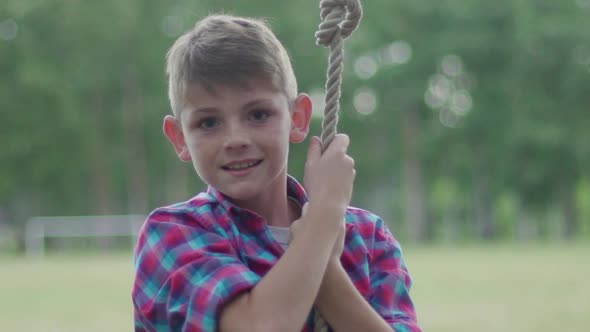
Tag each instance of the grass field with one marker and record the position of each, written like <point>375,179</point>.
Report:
<point>483,289</point>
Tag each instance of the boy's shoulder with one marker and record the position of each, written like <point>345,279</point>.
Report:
<point>355,215</point>
<point>196,210</point>
<point>368,225</point>
<point>195,202</point>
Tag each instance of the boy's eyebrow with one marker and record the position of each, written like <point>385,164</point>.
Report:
<point>256,102</point>
<point>211,109</point>
<point>205,110</point>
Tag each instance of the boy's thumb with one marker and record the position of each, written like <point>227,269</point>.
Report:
<point>304,209</point>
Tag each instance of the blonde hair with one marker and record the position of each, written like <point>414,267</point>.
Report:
<point>227,50</point>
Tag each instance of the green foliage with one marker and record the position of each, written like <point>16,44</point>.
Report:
<point>83,92</point>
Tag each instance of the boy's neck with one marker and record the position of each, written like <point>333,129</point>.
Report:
<point>273,205</point>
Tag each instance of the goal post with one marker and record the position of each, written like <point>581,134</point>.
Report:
<point>38,229</point>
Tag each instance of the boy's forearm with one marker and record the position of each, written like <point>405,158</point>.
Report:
<point>288,291</point>
<point>353,314</point>
<point>282,300</point>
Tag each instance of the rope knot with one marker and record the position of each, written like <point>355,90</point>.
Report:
<point>337,16</point>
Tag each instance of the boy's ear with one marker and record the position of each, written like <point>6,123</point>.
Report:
<point>175,135</point>
<point>300,118</point>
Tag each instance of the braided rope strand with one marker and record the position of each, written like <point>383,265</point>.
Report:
<point>339,19</point>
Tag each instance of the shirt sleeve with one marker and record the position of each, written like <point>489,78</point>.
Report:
<point>184,274</point>
<point>391,282</point>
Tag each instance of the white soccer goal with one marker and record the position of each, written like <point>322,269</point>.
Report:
<point>40,228</point>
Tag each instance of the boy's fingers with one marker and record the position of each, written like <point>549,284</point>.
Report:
<point>339,144</point>
<point>314,152</point>
<point>343,140</point>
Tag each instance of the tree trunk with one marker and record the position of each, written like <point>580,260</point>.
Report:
<point>527,226</point>
<point>570,213</point>
<point>101,173</point>
<point>415,209</point>
<point>483,207</point>
<point>137,182</point>
<point>101,177</point>
<point>177,178</point>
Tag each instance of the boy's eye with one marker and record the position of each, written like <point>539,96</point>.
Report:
<point>259,115</point>
<point>208,123</point>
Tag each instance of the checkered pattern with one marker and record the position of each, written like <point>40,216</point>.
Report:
<point>193,257</point>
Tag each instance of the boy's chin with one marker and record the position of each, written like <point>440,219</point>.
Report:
<point>241,192</point>
<point>246,189</point>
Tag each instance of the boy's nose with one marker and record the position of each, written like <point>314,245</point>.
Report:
<point>236,139</point>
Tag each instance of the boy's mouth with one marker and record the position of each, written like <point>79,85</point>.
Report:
<point>241,164</point>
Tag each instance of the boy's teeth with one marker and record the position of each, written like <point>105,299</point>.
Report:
<point>242,165</point>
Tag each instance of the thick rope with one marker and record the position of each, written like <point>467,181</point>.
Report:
<point>339,19</point>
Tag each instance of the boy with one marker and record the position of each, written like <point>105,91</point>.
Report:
<point>257,252</point>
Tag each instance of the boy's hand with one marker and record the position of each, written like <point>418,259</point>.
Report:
<point>338,245</point>
<point>329,177</point>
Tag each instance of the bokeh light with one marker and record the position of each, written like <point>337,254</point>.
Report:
<point>451,65</point>
<point>449,118</point>
<point>432,100</point>
<point>440,87</point>
<point>172,25</point>
<point>448,91</point>
<point>582,55</point>
<point>365,101</point>
<point>397,53</point>
<point>8,29</point>
<point>461,102</point>
<point>365,67</point>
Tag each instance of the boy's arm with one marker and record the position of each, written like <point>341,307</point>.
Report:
<point>389,308</point>
<point>282,300</point>
<point>355,313</point>
<point>351,314</point>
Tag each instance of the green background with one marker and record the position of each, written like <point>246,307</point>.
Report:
<point>468,121</point>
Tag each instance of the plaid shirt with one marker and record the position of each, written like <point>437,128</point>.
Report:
<point>193,257</point>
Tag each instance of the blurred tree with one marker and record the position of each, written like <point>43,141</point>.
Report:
<point>461,112</point>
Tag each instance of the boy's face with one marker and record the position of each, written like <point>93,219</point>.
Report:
<point>238,138</point>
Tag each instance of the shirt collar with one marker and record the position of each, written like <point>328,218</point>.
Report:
<point>295,191</point>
